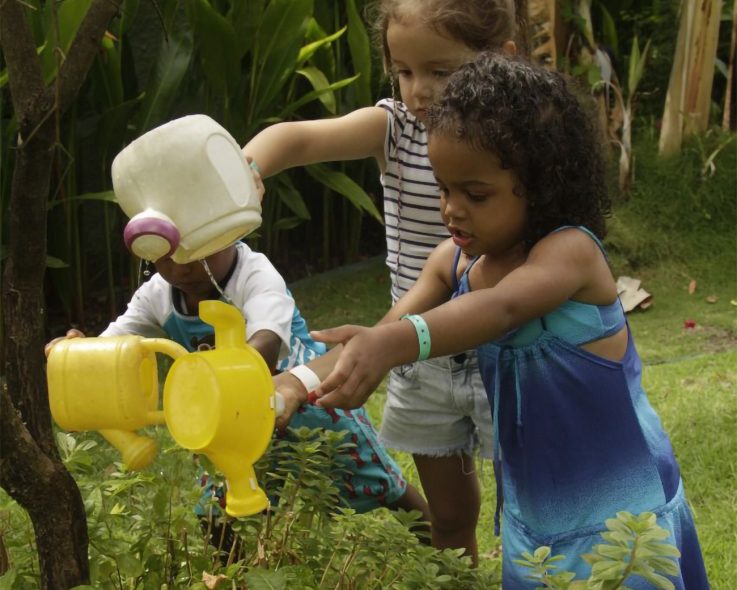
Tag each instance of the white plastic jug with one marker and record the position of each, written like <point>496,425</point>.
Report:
<point>187,190</point>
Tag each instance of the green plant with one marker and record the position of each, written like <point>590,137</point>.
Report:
<point>634,545</point>
<point>144,532</point>
<point>246,64</point>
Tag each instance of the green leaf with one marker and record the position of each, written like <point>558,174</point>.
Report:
<point>312,95</point>
<point>279,40</point>
<point>217,47</point>
<point>609,29</point>
<point>286,223</point>
<point>611,551</point>
<point>360,48</point>
<point>608,570</point>
<point>69,16</point>
<point>633,67</point>
<point>118,509</point>
<point>292,198</point>
<point>618,537</point>
<point>53,262</point>
<point>258,579</point>
<point>654,534</point>
<point>617,525</point>
<point>245,17</point>
<point>171,66</point>
<point>340,183</point>
<point>320,83</point>
<point>667,550</point>
<point>659,581</point>
<point>309,50</point>
<point>7,580</point>
<point>129,564</point>
<point>664,565</point>
<point>108,196</point>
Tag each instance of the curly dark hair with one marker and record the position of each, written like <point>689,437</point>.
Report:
<point>534,122</point>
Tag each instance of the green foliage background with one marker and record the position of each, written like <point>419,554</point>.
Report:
<point>249,64</point>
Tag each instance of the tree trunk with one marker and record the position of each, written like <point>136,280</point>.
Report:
<point>30,468</point>
<point>547,41</point>
<point>729,119</point>
<point>689,89</point>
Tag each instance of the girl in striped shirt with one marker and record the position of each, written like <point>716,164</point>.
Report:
<point>436,410</point>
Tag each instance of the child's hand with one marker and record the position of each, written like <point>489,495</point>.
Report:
<point>294,395</point>
<point>257,178</point>
<point>358,371</point>
<point>71,333</point>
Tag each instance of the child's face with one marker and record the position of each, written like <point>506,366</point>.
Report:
<point>422,60</point>
<point>477,199</point>
<point>192,278</point>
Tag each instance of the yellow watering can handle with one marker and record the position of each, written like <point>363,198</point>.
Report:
<point>170,348</point>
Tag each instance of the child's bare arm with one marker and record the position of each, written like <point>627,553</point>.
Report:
<point>292,389</point>
<point>268,344</point>
<point>563,266</point>
<point>359,134</point>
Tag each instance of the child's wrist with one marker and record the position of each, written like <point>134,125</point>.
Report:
<point>307,377</point>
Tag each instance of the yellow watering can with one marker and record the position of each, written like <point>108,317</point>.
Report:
<point>111,385</point>
<point>221,403</point>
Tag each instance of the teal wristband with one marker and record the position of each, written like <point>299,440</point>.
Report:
<point>423,335</point>
<point>255,167</point>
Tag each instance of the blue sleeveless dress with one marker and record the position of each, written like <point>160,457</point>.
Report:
<point>576,441</point>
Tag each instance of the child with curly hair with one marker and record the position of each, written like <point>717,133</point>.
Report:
<point>523,195</point>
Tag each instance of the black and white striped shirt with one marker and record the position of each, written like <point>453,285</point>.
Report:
<point>411,198</point>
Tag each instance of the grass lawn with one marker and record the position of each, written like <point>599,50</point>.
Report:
<point>690,375</point>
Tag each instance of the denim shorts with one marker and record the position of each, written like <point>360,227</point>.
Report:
<point>438,408</point>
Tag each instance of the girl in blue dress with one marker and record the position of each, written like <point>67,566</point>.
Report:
<point>524,278</point>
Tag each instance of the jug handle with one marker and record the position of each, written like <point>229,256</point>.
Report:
<point>169,348</point>
<point>165,346</point>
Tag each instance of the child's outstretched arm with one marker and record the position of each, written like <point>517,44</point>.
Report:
<point>357,135</point>
<point>433,287</point>
<point>565,265</point>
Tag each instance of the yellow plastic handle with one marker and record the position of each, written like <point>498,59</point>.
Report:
<point>164,346</point>
<point>170,348</point>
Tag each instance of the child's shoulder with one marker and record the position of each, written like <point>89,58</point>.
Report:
<point>396,110</point>
<point>254,269</point>
<point>576,241</point>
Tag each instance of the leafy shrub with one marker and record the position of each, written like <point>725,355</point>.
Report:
<point>633,546</point>
<point>144,533</point>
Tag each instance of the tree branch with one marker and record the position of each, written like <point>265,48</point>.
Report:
<point>83,50</point>
<point>24,67</point>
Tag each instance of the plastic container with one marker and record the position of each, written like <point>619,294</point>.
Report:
<point>111,385</point>
<point>221,403</point>
<point>187,190</point>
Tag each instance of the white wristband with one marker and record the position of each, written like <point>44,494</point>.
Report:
<point>307,377</point>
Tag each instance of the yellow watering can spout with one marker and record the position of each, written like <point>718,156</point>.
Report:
<point>138,452</point>
<point>244,496</point>
<point>221,403</point>
<point>230,327</point>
